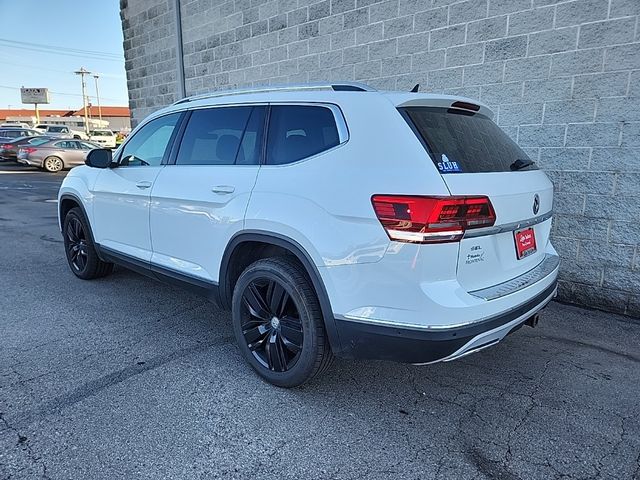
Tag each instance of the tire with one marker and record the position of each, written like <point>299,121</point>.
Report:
<point>278,323</point>
<point>79,248</point>
<point>53,164</point>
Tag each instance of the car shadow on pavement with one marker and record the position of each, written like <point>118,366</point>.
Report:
<point>104,378</point>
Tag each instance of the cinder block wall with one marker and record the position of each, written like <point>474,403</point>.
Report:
<point>562,76</point>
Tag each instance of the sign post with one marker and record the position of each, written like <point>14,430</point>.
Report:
<point>35,96</point>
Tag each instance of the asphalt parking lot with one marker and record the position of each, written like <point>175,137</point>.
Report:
<point>125,377</point>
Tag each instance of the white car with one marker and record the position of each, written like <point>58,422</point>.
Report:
<point>104,138</point>
<point>61,131</point>
<point>330,219</point>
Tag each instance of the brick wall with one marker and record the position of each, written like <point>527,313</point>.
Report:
<point>562,76</point>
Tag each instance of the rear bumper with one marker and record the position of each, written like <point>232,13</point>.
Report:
<point>360,339</point>
<point>29,162</point>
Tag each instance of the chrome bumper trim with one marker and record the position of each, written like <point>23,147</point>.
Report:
<point>491,337</point>
<point>507,227</point>
<point>546,267</point>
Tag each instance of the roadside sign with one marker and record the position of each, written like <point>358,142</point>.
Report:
<point>35,95</point>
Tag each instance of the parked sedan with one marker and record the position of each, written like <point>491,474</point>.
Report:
<point>9,149</point>
<point>55,154</point>
<point>10,133</point>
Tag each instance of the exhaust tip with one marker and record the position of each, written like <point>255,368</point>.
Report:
<point>533,320</point>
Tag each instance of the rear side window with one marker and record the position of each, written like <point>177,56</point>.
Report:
<point>222,136</point>
<point>299,131</point>
<point>463,142</point>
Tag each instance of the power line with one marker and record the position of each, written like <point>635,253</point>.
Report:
<point>32,67</point>
<point>53,47</point>
<point>62,53</point>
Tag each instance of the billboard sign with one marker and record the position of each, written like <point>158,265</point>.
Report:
<point>35,95</point>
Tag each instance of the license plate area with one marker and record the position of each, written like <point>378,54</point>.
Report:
<point>525,242</point>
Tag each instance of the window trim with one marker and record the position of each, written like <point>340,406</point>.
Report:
<point>338,116</point>
<point>170,158</point>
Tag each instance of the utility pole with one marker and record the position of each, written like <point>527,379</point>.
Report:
<point>96,77</point>
<point>82,72</point>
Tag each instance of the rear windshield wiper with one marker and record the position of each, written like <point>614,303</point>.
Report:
<point>519,164</point>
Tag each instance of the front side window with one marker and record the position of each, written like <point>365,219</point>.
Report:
<point>150,144</point>
<point>299,131</point>
<point>222,136</point>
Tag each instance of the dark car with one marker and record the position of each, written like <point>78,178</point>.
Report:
<point>9,149</point>
<point>11,133</point>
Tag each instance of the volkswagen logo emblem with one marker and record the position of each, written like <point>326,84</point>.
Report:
<point>536,204</point>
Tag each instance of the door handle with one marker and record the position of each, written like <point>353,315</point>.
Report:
<point>223,189</point>
<point>143,184</point>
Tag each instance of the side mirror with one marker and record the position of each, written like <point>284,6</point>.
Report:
<point>99,158</point>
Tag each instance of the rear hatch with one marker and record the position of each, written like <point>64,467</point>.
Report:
<point>476,158</point>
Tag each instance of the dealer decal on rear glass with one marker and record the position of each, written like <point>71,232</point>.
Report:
<point>448,166</point>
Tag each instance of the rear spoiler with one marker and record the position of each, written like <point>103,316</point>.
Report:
<point>443,101</point>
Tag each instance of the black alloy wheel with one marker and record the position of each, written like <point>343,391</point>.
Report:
<point>271,324</point>
<point>278,323</point>
<point>77,244</point>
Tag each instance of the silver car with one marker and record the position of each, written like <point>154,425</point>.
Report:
<point>55,154</point>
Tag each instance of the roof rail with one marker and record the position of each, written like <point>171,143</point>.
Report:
<point>337,87</point>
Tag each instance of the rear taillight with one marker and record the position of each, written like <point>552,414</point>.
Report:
<point>420,219</point>
<point>5,146</point>
<point>28,149</point>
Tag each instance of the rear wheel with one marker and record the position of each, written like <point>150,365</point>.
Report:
<point>81,253</point>
<point>53,164</point>
<point>278,323</point>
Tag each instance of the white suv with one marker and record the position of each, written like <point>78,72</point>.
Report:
<point>330,220</point>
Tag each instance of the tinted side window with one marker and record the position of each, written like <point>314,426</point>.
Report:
<point>222,136</point>
<point>149,144</point>
<point>299,131</point>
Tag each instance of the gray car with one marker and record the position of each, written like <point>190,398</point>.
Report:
<point>11,133</point>
<point>55,154</point>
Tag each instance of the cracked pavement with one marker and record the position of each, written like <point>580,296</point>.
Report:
<point>125,377</point>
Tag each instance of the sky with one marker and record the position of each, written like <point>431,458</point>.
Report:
<point>42,42</point>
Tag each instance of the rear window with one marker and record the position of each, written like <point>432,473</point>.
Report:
<point>464,142</point>
<point>58,129</point>
<point>299,131</point>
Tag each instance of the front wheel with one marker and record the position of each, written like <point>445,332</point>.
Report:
<point>278,323</point>
<point>53,164</point>
<point>78,245</point>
